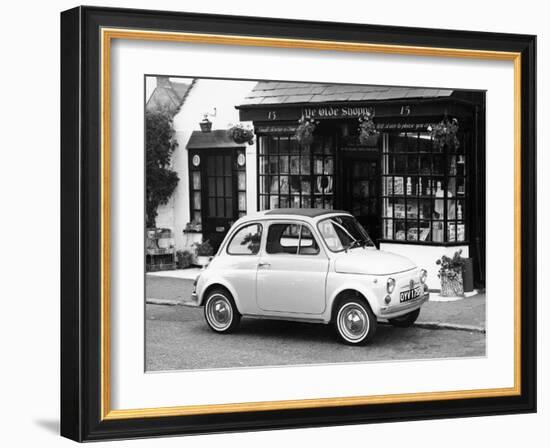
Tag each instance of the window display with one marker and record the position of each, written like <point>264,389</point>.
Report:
<point>294,175</point>
<point>424,189</point>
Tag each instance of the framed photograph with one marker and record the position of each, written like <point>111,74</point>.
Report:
<point>276,224</point>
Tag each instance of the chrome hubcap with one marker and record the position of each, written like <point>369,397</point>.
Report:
<point>219,312</point>
<point>353,322</point>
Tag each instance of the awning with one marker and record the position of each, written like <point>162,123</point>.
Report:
<point>219,138</point>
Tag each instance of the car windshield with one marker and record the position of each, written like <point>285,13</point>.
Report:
<point>343,232</point>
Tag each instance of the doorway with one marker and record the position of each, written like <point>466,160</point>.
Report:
<point>219,196</point>
<point>361,190</point>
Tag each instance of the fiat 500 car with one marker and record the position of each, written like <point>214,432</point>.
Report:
<point>308,265</point>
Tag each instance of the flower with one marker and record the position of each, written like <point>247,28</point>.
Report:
<point>367,128</point>
<point>305,129</point>
<point>445,133</point>
<point>240,134</point>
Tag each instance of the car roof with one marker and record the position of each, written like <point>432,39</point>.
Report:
<point>292,213</point>
<point>305,212</point>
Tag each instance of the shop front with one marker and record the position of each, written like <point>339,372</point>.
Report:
<point>416,192</point>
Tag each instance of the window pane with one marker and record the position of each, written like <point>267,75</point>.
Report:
<point>273,202</point>
<point>424,231</point>
<point>284,184</point>
<point>305,165</point>
<point>242,202</point>
<point>273,184</point>
<point>283,164</point>
<point>308,245</point>
<point>437,231</point>
<point>246,241</point>
<point>197,217</point>
<point>281,239</point>
<point>241,180</point>
<point>295,165</point>
<point>196,180</point>
<point>197,200</point>
<point>387,230</point>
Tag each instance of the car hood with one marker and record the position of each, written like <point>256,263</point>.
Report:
<point>371,261</point>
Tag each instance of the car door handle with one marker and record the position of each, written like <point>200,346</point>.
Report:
<point>264,264</point>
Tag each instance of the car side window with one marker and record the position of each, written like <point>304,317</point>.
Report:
<point>246,241</point>
<point>308,245</point>
<point>291,239</point>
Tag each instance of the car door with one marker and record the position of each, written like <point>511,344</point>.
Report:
<point>239,263</point>
<point>292,270</point>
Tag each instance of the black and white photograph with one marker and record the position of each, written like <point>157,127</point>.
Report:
<point>295,223</point>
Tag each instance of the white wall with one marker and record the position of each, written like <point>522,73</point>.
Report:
<point>425,256</point>
<point>204,96</point>
<point>29,183</point>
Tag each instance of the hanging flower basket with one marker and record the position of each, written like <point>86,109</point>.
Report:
<point>450,273</point>
<point>368,134</point>
<point>305,129</point>
<point>445,134</point>
<point>241,135</point>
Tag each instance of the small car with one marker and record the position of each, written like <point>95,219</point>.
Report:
<point>308,265</point>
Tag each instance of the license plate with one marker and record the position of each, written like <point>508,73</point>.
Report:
<point>411,294</point>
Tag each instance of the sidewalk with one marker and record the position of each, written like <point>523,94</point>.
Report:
<point>175,287</point>
<point>467,313</point>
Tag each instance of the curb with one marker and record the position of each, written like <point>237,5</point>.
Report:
<point>169,302</point>
<point>426,325</point>
<point>447,326</point>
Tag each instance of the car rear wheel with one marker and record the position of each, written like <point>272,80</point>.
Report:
<point>355,322</point>
<point>220,311</point>
<point>405,321</point>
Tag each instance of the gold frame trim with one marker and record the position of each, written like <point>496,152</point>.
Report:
<point>107,35</point>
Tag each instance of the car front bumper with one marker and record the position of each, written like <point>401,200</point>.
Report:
<point>391,311</point>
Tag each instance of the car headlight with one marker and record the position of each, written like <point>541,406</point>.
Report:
<point>423,276</point>
<point>390,285</point>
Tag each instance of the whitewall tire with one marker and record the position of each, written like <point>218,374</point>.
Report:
<point>355,322</point>
<point>220,311</point>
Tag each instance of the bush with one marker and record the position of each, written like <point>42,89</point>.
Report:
<point>159,146</point>
<point>184,259</point>
<point>204,249</point>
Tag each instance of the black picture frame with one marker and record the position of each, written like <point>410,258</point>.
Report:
<point>81,224</point>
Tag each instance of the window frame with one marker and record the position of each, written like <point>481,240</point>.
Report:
<point>320,250</point>
<point>415,198</point>
<point>315,152</point>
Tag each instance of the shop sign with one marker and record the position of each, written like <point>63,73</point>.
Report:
<point>403,126</point>
<point>337,111</point>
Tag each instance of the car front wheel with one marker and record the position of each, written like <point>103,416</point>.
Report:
<point>220,311</point>
<point>355,322</point>
<point>405,321</point>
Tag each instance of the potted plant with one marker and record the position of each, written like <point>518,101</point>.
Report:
<point>305,129</point>
<point>184,259</point>
<point>240,134</point>
<point>450,273</point>
<point>445,133</point>
<point>204,252</point>
<point>192,227</point>
<point>368,134</point>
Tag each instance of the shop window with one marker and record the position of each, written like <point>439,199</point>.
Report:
<point>424,192</point>
<point>294,175</point>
